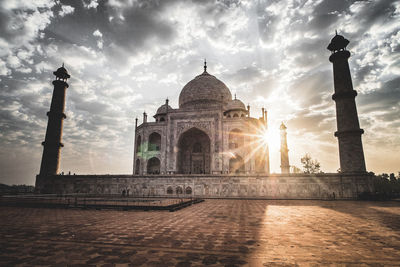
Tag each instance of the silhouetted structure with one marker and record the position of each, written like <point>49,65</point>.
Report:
<point>348,128</point>
<point>52,143</point>
<point>285,167</point>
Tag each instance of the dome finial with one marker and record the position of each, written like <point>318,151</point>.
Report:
<point>335,32</point>
<point>63,65</point>
<point>235,96</point>
<point>205,65</point>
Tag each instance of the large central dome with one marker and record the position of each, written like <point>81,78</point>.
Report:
<point>204,91</point>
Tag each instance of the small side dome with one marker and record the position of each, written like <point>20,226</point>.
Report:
<point>235,104</point>
<point>163,109</point>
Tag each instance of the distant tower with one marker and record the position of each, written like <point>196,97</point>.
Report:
<point>348,127</point>
<point>285,167</point>
<point>52,143</point>
<point>267,170</point>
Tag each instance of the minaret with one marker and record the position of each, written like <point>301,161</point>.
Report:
<point>348,127</point>
<point>285,167</point>
<point>166,137</point>
<point>52,143</point>
<point>267,170</point>
<point>135,147</point>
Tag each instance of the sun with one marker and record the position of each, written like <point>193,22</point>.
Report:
<point>270,137</point>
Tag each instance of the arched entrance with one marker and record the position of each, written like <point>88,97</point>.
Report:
<point>153,166</point>
<point>139,144</point>
<point>194,152</point>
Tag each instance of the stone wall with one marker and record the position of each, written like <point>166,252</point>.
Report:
<point>293,186</point>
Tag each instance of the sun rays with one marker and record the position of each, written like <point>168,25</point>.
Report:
<point>254,144</point>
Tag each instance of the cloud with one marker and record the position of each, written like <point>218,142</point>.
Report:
<point>125,57</point>
<point>66,10</point>
<point>91,4</point>
<point>98,34</point>
<point>3,68</point>
<point>21,21</point>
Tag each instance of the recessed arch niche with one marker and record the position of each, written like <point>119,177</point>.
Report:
<point>194,152</point>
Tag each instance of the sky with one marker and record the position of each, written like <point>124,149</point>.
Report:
<point>126,57</point>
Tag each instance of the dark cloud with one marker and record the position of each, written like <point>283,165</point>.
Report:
<point>327,6</point>
<point>312,89</point>
<point>323,21</point>
<point>5,30</point>
<point>308,122</point>
<point>244,75</point>
<point>362,72</point>
<point>127,27</point>
<point>369,14</point>
<point>92,107</point>
<point>377,11</point>
<point>22,115</point>
<point>386,98</point>
<point>12,23</point>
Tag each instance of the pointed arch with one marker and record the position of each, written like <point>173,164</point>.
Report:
<point>179,190</point>
<point>188,190</point>
<point>170,191</point>
<point>139,144</point>
<point>153,166</point>
<point>194,155</point>
<point>154,142</point>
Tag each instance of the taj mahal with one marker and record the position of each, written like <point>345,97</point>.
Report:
<point>210,133</point>
<point>211,146</point>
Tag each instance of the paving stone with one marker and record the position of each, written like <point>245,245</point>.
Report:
<point>213,233</point>
<point>208,260</point>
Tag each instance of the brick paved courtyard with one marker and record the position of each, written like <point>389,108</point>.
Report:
<point>214,233</point>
